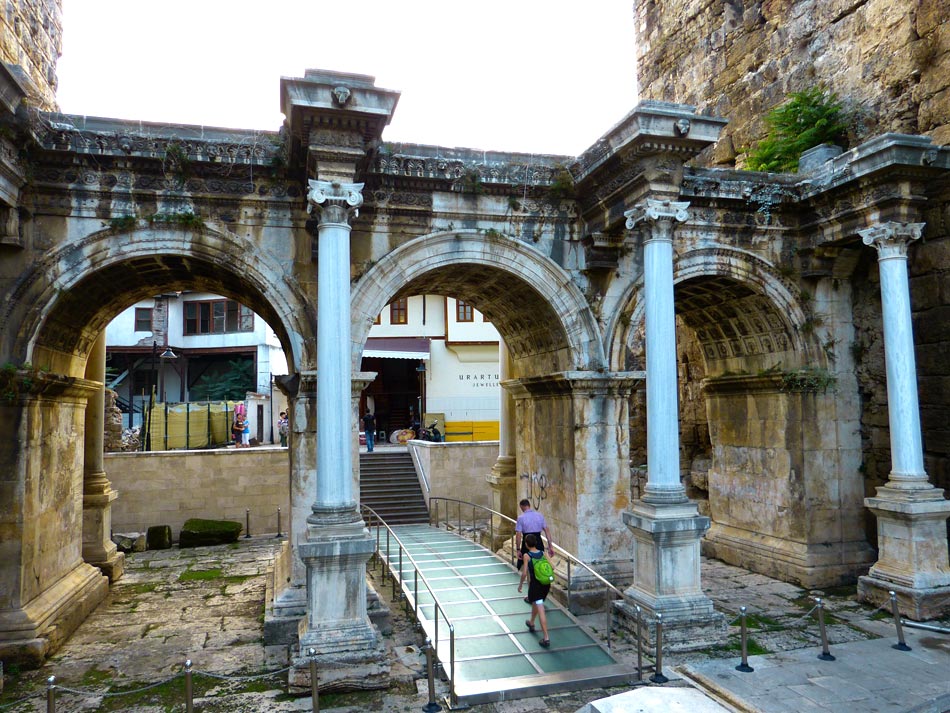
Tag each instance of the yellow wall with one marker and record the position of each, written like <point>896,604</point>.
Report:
<point>456,431</point>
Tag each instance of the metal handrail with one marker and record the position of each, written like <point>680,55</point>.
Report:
<point>415,591</point>
<point>571,559</point>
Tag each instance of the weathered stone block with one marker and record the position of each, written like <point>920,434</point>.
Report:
<point>159,537</point>
<point>129,541</point>
<point>199,533</point>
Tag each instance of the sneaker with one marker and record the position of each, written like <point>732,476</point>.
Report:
<point>545,643</point>
<point>530,626</point>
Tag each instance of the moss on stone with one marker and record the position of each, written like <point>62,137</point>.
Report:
<point>198,533</point>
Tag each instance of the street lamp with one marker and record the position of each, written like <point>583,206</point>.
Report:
<point>164,356</point>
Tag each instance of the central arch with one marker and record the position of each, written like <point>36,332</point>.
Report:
<point>532,301</point>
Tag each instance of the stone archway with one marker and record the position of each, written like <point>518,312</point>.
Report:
<point>570,411</point>
<point>784,496</point>
<point>62,305</point>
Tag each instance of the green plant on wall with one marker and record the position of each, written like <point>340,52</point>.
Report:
<point>808,119</point>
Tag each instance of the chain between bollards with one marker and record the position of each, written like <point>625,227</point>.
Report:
<point>314,683</point>
<point>658,676</point>
<point>247,520</point>
<point>744,667</point>
<point>431,706</point>
<point>901,645</point>
<point>825,654</point>
<point>189,690</point>
<point>51,694</point>
<point>279,533</point>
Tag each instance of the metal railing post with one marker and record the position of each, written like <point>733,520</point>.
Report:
<point>658,676</point>
<point>901,645</point>
<point>278,524</point>
<point>314,683</point>
<point>247,519</point>
<point>51,694</point>
<point>639,642</point>
<point>474,526</point>
<point>431,706</point>
<point>825,654</point>
<point>189,690</point>
<point>744,667</point>
<point>569,592</point>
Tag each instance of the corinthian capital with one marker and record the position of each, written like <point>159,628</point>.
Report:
<point>661,215</point>
<point>334,202</point>
<point>891,239</point>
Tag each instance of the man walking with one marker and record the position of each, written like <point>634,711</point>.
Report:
<point>530,522</point>
<point>369,428</point>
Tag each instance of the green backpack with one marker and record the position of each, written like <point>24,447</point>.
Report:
<point>543,571</point>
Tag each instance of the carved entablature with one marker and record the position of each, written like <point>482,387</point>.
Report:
<point>57,132</point>
<point>602,252</point>
<point>467,174</point>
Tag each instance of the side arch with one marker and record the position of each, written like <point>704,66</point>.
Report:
<point>533,302</point>
<point>705,278</point>
<point>64,301</point>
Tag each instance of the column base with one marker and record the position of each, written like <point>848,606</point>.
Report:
<point>912,551</point>
<point>347,668</point>
<point>112,566</point>
<point>31,633</point>
<point>667,578</point>
<point>702,629</point>
<point>915,604</point>
<point>349,651</point>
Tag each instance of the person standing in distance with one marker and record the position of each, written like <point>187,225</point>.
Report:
<point>369,428</point>
<point>530,522</point>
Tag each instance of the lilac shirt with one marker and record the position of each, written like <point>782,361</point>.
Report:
<point>530,521</point>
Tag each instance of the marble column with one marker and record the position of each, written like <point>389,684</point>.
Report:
<point>666,525</point>
<point>337,545</point>
<point>503,479</point>
<point>911,513</point>
<point>97,493</point>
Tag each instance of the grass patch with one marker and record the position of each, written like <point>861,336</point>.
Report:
<point>753,648</point>
<point>200,575</point>
<point>95,678</point>
<point>140,588</point>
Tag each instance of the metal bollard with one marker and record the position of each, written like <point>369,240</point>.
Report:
<point>639,643</point>
<point>825,654</point>
<point>744,667</point>
<point>247,518</point>
<point>189,689</point>
<point>314,684</point>
<point>901,645</point>
<point>431,706</point>
<point>658,676</point>
<point>51,694</point>
<point>279,533</point>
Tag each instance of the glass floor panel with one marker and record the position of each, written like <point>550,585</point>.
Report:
<point>496,657</point>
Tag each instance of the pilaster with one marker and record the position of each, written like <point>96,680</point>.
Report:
<point>503,479</point>
<point>911,513</point>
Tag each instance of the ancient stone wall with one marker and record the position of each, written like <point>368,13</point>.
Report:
<point>888,60</point>
<point>31,36</point>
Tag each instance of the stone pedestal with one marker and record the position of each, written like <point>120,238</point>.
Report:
<point>666,562</point>
<point>337,631</point>
<point>912,552</point>
<point>97,546</point>
<point>503,482</point>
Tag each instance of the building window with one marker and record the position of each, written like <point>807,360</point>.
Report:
<point>217,317</point>
<point>399,311</point>
<point>464,312</point>
<point>143,319</point>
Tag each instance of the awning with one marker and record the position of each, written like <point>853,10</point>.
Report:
<point>397,348</point>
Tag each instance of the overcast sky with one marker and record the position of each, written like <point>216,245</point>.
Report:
<point>541,76</point>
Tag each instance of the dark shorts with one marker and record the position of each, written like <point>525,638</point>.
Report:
<point>537,591</point>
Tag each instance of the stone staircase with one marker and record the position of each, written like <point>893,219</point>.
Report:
<point>389,485</point>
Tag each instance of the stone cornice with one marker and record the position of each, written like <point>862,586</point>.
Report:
<point>574,383</point>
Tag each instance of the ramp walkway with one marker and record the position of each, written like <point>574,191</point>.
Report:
<point>466,599</point>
